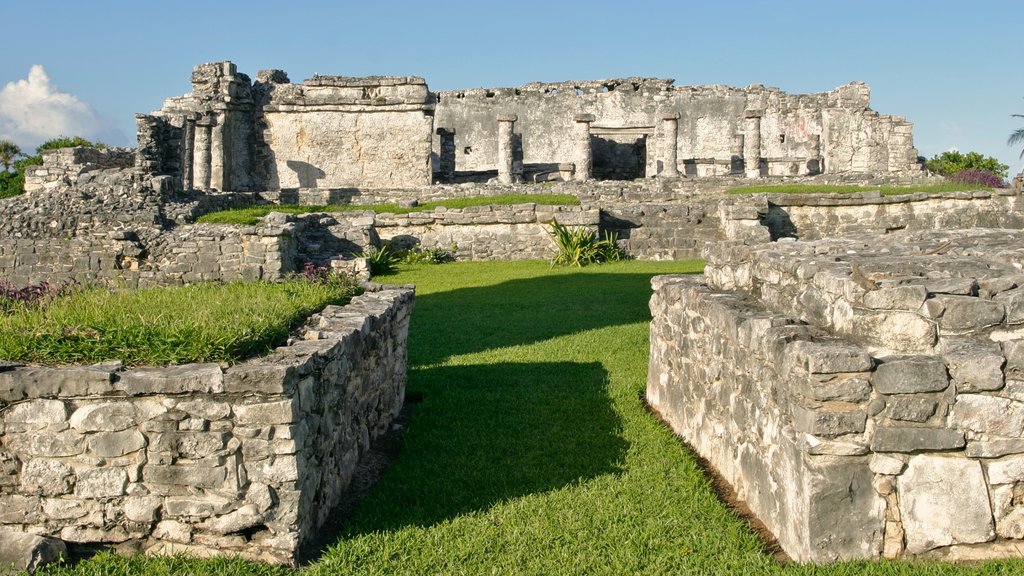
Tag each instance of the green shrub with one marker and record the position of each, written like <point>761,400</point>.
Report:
<point>579,246</point>
<point>951,162</point>
<point>382,260</point>
<point>435,255</point>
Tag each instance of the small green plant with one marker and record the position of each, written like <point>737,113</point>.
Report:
<point>382,260</point>
<point>579,246</point>
<point>436,255</point>
<point>953,161</point>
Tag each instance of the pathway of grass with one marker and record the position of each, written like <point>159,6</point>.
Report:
<point>530,451</point>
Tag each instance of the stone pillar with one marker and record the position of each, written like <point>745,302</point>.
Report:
<point>584,154</point>
<point>201,154</point>
<point>505,156</point>
<point>752,143</point>
<point>188,136</point>
<point>814,161</point>
<point>446,155</point>
<point>670,143</point>
<point>218,165</point>
<point>736,154</point>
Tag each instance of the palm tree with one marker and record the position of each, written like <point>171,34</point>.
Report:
<point>1017,137</point>
<point>8,152</point>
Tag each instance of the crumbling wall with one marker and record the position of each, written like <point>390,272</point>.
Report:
<point>859,394</point>
<point>715,130</point>
<point>63,167</point>
<point>247,460</point>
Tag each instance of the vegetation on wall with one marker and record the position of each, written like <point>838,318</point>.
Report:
<point>969,168</point>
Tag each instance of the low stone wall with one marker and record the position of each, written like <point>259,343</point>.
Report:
<point>862,396</point>
<point>520,232</point>
<point>62,167</point>
<point>248,459</point>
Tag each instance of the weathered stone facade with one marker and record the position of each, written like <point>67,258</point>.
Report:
<point>861,395</point>
<point>249,459</point>
<point>629,128</point>
<point>342,133</point>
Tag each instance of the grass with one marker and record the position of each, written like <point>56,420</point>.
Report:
<point>252,214</point>
<point>198,323</point>
<point>530,451</point>
<point>841,189</point>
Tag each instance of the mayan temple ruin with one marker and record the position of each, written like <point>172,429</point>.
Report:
<point>851,364</point>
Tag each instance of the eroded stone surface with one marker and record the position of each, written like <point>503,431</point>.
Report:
<point>944,502</point>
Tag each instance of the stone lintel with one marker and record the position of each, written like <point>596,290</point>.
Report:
<point>753,113</point>
<point>507,117</point>
<point>670,116</point>
<point>584,118</point>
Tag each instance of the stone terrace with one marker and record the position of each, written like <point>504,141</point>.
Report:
<point>864,396</point>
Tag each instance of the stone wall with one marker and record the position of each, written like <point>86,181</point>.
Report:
<point>861,395</point>
<point>249,459</point>
<point>520,232</point>
<point>64,166</point>
<point>637,127</point>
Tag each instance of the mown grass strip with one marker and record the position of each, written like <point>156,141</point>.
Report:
<point>251,215</point>
<point>198,323</point>
<point>849,189</point>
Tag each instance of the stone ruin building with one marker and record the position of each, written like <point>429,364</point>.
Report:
<point>337,132</point>
<point>842,359</point>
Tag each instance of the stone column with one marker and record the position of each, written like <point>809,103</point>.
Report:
<point>505,157</point>
<point>584,154</point>
<point>736,154</point>
<point>188,136</point>
<point>446,155</point>
<point>670,143</point>
<point>752,143</point>
<point>201,154</point>
<point>218,164</point>
<point>814,162</point>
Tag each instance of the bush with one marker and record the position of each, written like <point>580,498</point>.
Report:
<point>383,260</point>
<point>952,162</point>
<point>579,246</point>
<point>436,255</point>
<point>326,276</point>
<point>978,177</point>
<point>13,298</point>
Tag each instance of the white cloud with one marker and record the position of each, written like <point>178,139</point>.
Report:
<point>33,111</point>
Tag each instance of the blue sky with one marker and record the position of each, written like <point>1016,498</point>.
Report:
<point>952,68</point>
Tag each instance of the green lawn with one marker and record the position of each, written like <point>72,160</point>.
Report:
<point>849,189</point>
<point>530,451</point>
<point>251,214</point>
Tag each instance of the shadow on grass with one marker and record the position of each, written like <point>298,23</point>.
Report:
<point>488,433</point>
<point>523,311</point>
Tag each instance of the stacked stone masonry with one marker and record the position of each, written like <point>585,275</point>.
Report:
<point>201,459</point>
<point>862,395</point>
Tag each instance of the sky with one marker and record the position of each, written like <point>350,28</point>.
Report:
<point>86,68</point>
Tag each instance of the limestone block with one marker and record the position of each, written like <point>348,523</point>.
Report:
<point>828,357</point>
<point>911,408</point>
<point>46,444</point>
<point>882,464</point>
<point>23,551</point>
<point>1013,300</point>
<point>845,518</point>
<point>989,415</point>
<point>47,477</point>
<point>143,509</point>
<point>964,314</point>
<point>905,439</point>
<point>832,419</point>
<point>189,444</point>
<point>944,501</point>
<point>280,412</point>
<point>37,413</point>
<point>909,298</point>
<point>1007,470</point>
<point>994,447</point>
<point>1014,352</point>
<point>910,374</point>
<point>184,475</point>
<point>72,509</point>
<point>243,518</point>
<point>173,379</point>
<point>196,506</point>
<point>841,387</point>
<point>280,469</point>
<point>1012,525</point>
<point>173,531</point>
<point>114,444</point>
<point>975,367</point>
<point>206,409</point>
<point>101,483</point>
<point>104,417</point>
<point>260,495</point>
<point>900,331</point>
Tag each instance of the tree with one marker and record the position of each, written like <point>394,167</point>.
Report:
<point>1017,136</point>
<point>8,152</point>
<point>952,162</point>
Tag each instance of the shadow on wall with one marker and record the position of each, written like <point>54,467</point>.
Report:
<point>306,173</point>
<point>619,160</point>
<point>778,222</point>
<point>488,433</point>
